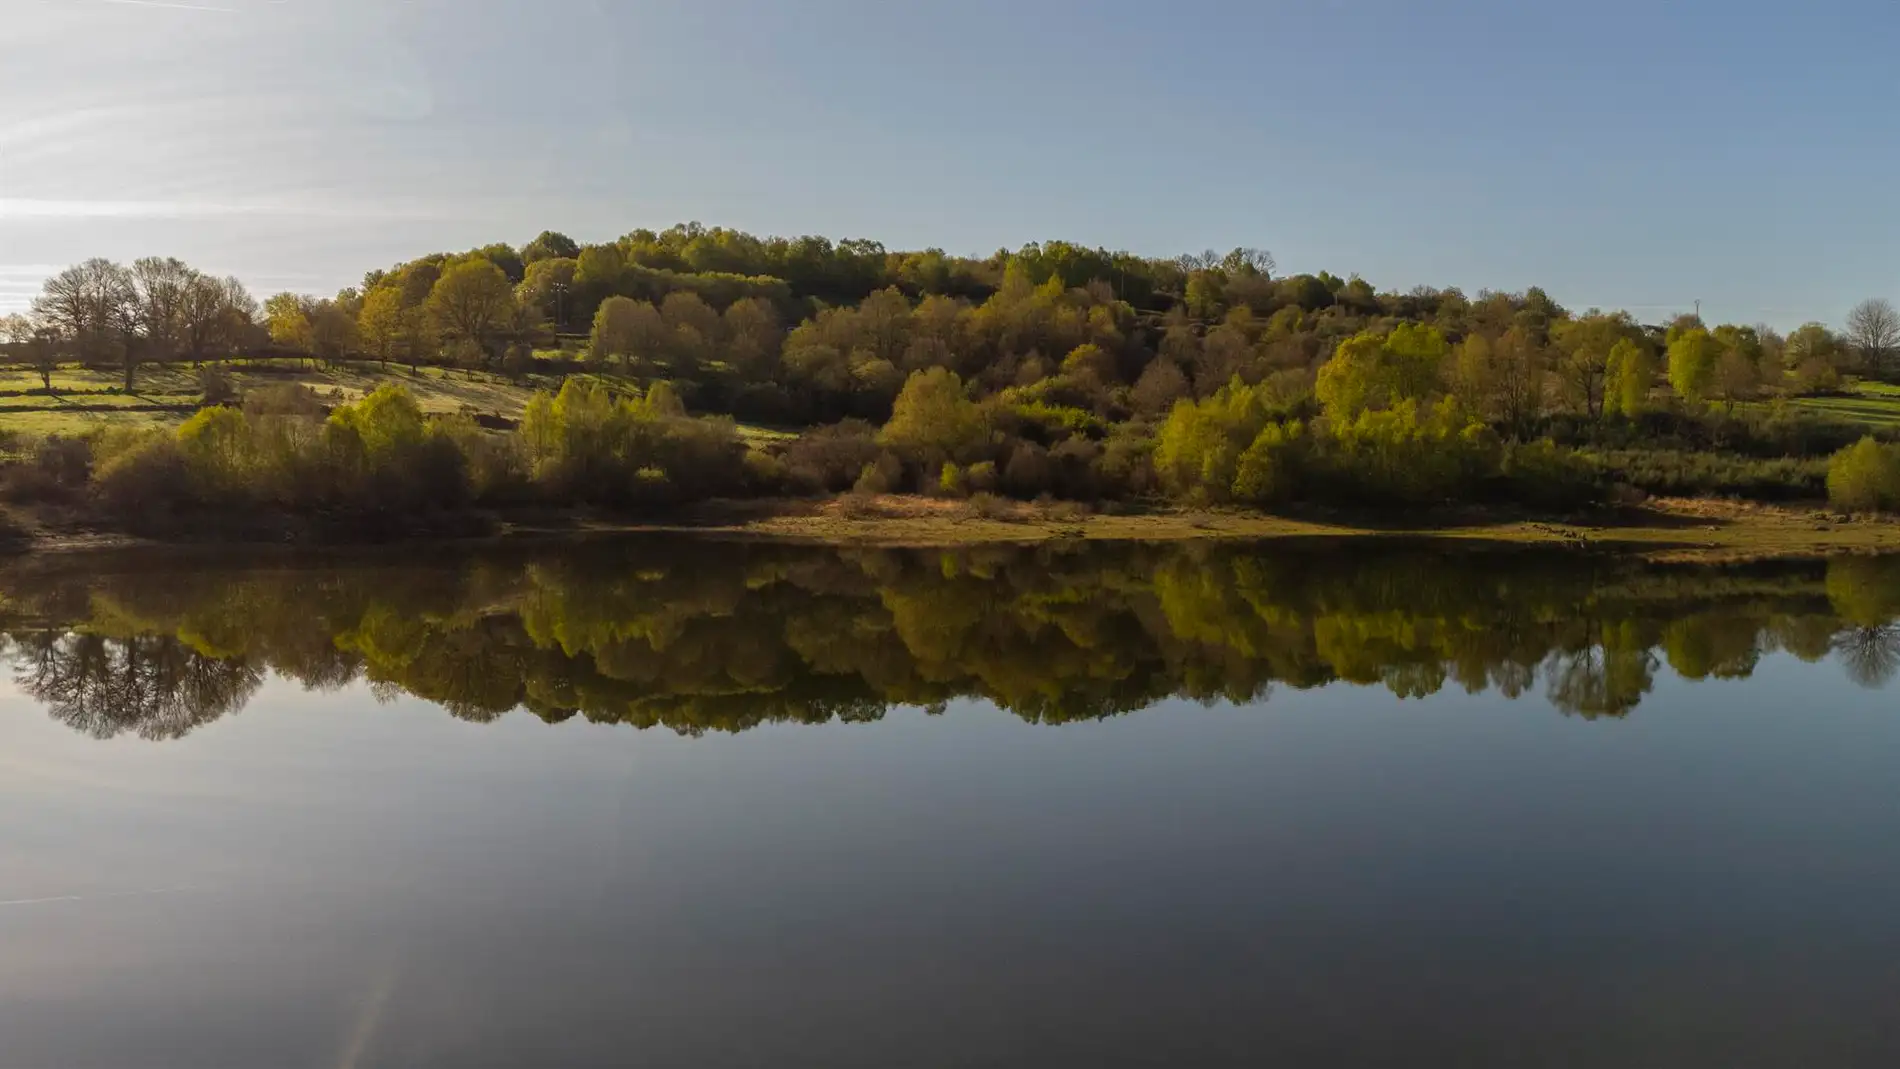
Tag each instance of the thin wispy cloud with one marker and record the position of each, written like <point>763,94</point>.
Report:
<point>33,208</point>
<point>174,5</point>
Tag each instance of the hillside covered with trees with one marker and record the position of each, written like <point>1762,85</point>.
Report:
<point>1055,369</point>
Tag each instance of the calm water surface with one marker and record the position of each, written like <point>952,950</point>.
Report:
<point>692,804</point>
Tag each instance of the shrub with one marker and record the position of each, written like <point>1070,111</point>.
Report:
<point>1028,471</point>
<point>882,476</point>
<point>829,459</point>
<point>1865,477</point>
<point>57,470</point>
<point>981,477</point>
<point>1678,473</point>
<point>216,385</point>
<point>952,480</point>
<point>283,399</point>
<point>518,361</point>
<point>991,507</point>
<point>1269,469</point>
<point>145,480</point>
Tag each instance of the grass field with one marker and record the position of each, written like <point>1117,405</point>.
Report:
<point>1874,405</point>
<point>84,399</point>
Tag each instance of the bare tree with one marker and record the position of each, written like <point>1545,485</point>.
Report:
<point>93,307</point>
<point>1873,329</point>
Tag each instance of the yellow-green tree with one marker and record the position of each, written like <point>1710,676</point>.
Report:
<point>1370,371</point>
<point>932,420</point>
<point>1628,377</point>
<point>380,323</point>
<point>1692,359</point>
<point>472,302</point>
<point>1865,477</point>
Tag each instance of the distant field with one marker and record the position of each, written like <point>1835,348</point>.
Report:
<point>85,399</point>
<point>1873,404</point>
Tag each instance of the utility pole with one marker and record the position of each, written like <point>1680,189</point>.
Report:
<point>1698,309</point>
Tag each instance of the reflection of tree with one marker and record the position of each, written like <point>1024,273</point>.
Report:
<point>1600,680</point>
<point>698,636</point>
<point>1871,655</point>
<point>153,685</point>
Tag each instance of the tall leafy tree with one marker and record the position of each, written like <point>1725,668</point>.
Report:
<point>1692,358</point>
<point>472,302</point>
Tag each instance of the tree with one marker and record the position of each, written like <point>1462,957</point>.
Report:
<point>694,328</point>
<point>1815,356</point>
<point>1865,477</point>
<point>217,318</point>
<point>380,323</point>
<point>332,330</point>
<point>1160,385</point>
<point>1873,330</point>
<point>36,345</point>
<point>1584,364</point>
<point>752,334</point>
<point>1373,371</point>
<point>472,302</point>
<point>617,329</point>
<point>932,419</point>
<point>1500,382</point>
<point>550,245</point>
<point>504,256</point>
<point>546,286</point>
<point>1736,378</point>
<point>93,308</point>
<point>1628,378</point>
<point>1692,359</point>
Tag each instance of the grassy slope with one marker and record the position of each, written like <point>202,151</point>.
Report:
<point>84,399</point>
<point>1875,405</point>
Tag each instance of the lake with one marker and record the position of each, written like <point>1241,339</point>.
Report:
<point>693,803</point>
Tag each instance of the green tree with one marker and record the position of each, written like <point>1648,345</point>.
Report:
<point>1628,377</point>
<point>550,245</point>
<point>932,420</point>
<point>1692,359</point>
<point>380,323</point>
<point>1865,477</point>
<point>472,302</point>
<point>1374,371</point>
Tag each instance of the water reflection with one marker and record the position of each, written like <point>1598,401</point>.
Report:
<point>697,636</point>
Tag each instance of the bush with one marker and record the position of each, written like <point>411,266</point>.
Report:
<point>952,481</point>
<point>59,468</point>
<point>284,399</point>
<point>981,477</point>
<point>882,476</point>
<point>1865,477</point>
<point>1678,473</point>
<point>1028,472</point>
<point>991,507</point>
<point>145,481</point>
<point>216,385</point>
<point>830,459</point>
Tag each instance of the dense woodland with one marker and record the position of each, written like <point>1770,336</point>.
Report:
<point>699,636</point>
<point>1052,370</point>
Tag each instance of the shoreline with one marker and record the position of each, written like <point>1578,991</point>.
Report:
<point>1668,529</point>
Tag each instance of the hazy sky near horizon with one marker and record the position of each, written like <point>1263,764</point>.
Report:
<point>1618,153</point>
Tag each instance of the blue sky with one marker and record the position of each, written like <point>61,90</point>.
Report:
<point>1637,155</point>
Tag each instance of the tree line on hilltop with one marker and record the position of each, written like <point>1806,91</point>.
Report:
<point>1053,369</point>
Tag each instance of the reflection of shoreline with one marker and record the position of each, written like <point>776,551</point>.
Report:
<point>1689,529</point>
<point>696,636</point>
